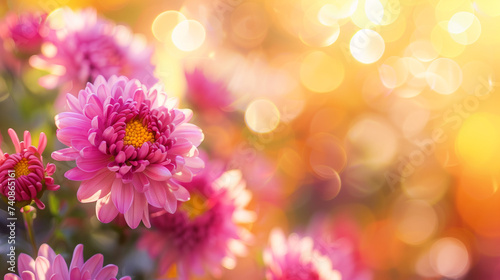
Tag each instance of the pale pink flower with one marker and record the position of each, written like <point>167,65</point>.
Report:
<point>24,172</point>
<point>48,265</point>
<point>206,231</point>
<point>296,258</point>
<point>132,148</point>
<point>83,46</point>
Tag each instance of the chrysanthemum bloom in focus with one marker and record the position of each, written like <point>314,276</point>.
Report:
<point>22,33</point>
<point>81,46</point>
<point>206,93</point>
<point>132,147</point>
<point>48,265</point>
<point>296,258</point>
<point>206,231</point>
<point>24,172</point>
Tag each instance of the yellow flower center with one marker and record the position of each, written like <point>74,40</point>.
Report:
<point>136,134</point>
<point>195,207</point>
<point>21,168</point>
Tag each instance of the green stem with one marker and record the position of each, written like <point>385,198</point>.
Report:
<point>28,222</point>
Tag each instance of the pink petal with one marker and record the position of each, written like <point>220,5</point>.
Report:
<point>15,140</point>
<point>65,154</point>
<point>76,174</point>
<point>42,143</point>
<point>184,175</point>
<point>60,267</point>
<point>171,202</point>
<point>190,132</point>
<point>26,263</point>
<point>42,266</point>
<point>46,252</point>
<point>108,272</point>
<point>157,172</point>
<point>181,194</point>
<point>11,276</point>
<point>140,182</point>
<point>95,188</point>
<point>105,209</point>
<point>93,265</point>
<point>157,194</point>
<point>27,138</point>
<point>28,275</point>
<point>94,160</point>
<point>134,215</point>
<point>77,260</point>
<point>75,274</point>
<point>122,195</point>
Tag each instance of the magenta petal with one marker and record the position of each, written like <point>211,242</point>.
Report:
<point>108,272</point>
<point>42,266</point>
<point>122,195</point>
<point>25,263</point>
<point>46,252</point>
<point>134,215</point>
<point>105,209</point>
<point>181,194</point>
<point>77,260</point>
<point>65,154</point>
<point>157,172</point>
<point>11,276</point>
<point>60,267</point>
<point>94,160</point>
<point>15,140</point>
<point>140,182</point>
<point>189,131</point>
<point>76,174</point>
<point>28,275</point>
<point>95,188</point>
<point>93,265</point>
<point>171,202</point>
<point>42,143</point>
<point>157,194</point>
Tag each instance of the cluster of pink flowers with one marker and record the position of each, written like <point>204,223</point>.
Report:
<point>136,155</point>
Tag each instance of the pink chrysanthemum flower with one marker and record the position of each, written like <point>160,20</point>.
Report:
<point>206,93</point>
<point>206,231</point>
<point>22,33</point>
<point>48,265</point>
<point>85,46</point>
<point>132,147</point>
<point>25,172</point>
<point>296,259</point>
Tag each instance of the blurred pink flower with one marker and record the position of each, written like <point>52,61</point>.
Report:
<point>296,258</point>
<point>206,93</point>
<point>206,231</point>
<point>25,171</point>
<point>48,265</point>
<point>339,239</point>
<point>132,147</point>
<point>86,46</point>
<point>21,33</point>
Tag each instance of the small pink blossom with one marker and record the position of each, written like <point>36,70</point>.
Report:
<point>22,34</point>
<point>48,265</point>
<point>24,171</point>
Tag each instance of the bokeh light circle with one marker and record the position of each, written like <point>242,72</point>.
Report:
<point>164,24</point>
<point>320,72</point>
<point>367,46</point>
<point>188,35</point>
<point>262,116</point>
<point>444,76</point>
